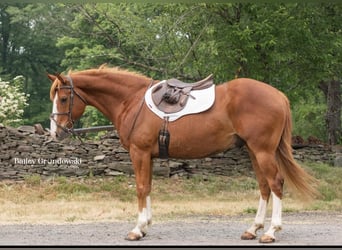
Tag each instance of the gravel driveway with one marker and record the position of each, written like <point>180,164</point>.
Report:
<point>308,228</point>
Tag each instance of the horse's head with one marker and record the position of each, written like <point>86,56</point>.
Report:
<point>68,106</point>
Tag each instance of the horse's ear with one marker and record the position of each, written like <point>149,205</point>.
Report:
<point>60,78</point>
<point>51,77</point>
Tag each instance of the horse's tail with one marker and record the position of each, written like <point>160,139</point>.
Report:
<point>295,176</point>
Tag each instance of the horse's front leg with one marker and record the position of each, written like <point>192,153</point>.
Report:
<point>142,164</point>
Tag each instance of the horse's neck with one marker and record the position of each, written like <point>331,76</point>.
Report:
<point>111,95</point>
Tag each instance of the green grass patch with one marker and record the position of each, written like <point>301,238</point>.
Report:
<point>250,210</point>
<point>32,180</point>
<point>330,186</point>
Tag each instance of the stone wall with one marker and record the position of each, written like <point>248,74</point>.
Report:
<point>24,152</point>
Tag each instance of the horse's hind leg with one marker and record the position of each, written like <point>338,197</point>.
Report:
<point>270,182</point>
<point>265,192</point>
<point>269,169</point>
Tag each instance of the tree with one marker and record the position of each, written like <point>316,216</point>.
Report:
<point>289,46</point>
<point>28,35</point>
<point>328,50</point>
<point>332,92</point>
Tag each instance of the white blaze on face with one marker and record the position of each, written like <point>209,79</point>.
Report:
<point>53,125</point>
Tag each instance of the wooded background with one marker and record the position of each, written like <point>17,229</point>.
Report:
<point>295,47</point>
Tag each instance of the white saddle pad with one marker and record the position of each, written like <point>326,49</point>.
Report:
<point>204,99</point>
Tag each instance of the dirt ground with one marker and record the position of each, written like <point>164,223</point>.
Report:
<point>307,228</point>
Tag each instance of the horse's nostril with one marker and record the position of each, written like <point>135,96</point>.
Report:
<point>56,135</point>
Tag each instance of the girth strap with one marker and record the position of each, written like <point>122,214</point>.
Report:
<point>164,140</point>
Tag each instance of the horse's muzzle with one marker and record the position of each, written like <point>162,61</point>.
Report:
<point>60,135</point>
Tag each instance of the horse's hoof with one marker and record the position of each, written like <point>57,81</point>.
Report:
<point>133,236</point>
<point>248,236</point>
<point>266,239</point>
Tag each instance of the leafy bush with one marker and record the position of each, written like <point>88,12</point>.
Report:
<point>12,102</point>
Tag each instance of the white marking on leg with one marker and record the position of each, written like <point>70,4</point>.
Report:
<point>261,213</point>
<point>260,217</point>
<point>141,226</point>
<point>53,125</point>
<point>149,210</point>
<point>144,219</point>
<point>276,216</point>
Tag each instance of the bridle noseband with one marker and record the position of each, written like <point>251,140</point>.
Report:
<point>71,121</point>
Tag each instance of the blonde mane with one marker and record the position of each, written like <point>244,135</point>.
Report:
<point>105,68</point>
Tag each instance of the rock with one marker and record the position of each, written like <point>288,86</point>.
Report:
<point>82,172</point>
<point>99,157</point>
<point>112,172</point>
<point>5,156</point>
<point>80,151</point>
<point>109,142</point>
<point>69,148</point>
<point>175,164</point>
<point>338,161</point>
<point>3,134</point>
<point>39,129</point>
<point>29,129</point>
<point>161,171</point>
<point>122,166</point>
<point>24,148</point>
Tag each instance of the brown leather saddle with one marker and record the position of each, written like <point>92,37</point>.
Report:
<point>172,95</point>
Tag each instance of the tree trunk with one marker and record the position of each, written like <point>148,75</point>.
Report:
<point>332,92</point>
<point>4,35</point>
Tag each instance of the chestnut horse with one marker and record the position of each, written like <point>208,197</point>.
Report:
<point>244,110</point>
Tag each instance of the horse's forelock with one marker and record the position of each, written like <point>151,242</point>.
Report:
<point>53,88</point>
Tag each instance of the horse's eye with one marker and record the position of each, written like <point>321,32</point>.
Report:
<point>64,99</point>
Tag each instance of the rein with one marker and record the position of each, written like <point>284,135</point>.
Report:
<point>71,121</point>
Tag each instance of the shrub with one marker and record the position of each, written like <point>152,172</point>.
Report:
<point>12,102</point>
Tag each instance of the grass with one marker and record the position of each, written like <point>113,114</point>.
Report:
<point>68,200</point>
<point>330,187</point>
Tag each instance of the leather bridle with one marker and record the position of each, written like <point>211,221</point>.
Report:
<point>73,92</point>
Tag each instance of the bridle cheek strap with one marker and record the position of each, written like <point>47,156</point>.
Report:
<point>71,104</point>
